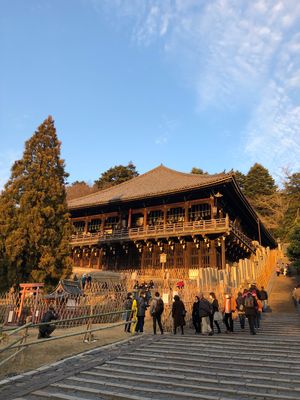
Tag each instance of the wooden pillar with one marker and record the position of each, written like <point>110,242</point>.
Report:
<point>186,212</point>
<point>259,233</point>
<point>86,225</point>
<point>98,258</point>
<point>129,218</point>
<point>223,254</point>
<point>102,224</point>
<point>145,218</point>
<point>212,255</point>
<point>165,215</point>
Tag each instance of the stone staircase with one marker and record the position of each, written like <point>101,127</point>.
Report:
<point>235,366</point>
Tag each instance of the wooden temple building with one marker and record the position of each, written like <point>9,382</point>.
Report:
<point>195,221</point>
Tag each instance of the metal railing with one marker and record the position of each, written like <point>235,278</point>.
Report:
<point>21,343</point>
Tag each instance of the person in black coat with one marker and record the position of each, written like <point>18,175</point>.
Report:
<point>195,315</point>
<point>205,310</point>
<point>215,308</point>
<point>178,314</point>
<point>46,330</point>
<point>250,310</point>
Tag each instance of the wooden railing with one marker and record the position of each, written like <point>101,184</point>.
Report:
<point>243,238</point>
<point>156,231</point>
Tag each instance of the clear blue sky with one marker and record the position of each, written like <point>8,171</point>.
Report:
<point>213,84</point>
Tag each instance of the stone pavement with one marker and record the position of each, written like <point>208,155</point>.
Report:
<point>236,366</point>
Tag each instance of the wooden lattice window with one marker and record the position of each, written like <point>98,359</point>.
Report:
<point>94,225</point>
<point>155,218</point>
<point>147,258</point>
<point>111,223</point>
<point>205,256</point>
<point>175,215</point>
<point>179,254</point>
<point>199,211</point>
<point>79,226</point>
<point>195,257</point>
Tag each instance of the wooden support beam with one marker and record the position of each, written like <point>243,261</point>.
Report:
<point>129,218</point>
<point>186,212</point>
<point>145,218</point>
<point>223,254</point>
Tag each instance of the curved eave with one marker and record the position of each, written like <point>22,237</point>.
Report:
<point>154,195</point>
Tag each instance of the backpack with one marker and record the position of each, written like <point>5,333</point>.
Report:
<point>159,307</point>
<point>249,301</point>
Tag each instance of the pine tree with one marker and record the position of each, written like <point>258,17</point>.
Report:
<point>293,250</point>
<point>198,171</point>
<point>78,189</point>
<point>292,198</point>
<point>35,226</point>
<point>260,188</point>
<point>115,175</point>
<point>241,179</point>
<point>259,182</point>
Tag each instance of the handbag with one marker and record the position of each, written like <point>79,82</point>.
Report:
<point>205,325</point>
<point>235,315</point>
<point>218,316</point>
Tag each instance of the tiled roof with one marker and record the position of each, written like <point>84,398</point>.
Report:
<point>158,181</point>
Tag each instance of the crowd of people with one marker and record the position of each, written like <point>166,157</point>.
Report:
<point>208,315</point>
<point>283,269</point>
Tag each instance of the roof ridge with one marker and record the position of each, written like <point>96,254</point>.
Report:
<point>118,185</point>
<point>191,174</point>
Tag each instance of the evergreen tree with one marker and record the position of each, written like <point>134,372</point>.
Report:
<point>293,250</point>
<point>115,175</point>
<point>78,189</point>
<point>35,227</point>
<point>199,171</point>
<point>241,179</point>
<point>291,196</point>
<point>259,182</point>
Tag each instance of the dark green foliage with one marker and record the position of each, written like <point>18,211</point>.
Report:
<point>293,250</point>
<point>199,171</point>
<point>291,195</point>
<point>259,182</point>
<point>115,175</point>
<point>35,227</point>
<point>241,179</point>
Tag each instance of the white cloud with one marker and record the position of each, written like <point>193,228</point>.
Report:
<point>233,53</point>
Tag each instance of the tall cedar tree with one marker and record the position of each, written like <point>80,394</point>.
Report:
<point>293,249</point>
<point>259,185</point>
<point>241,179</point>
<point>115,175</point>
<point>292,198</point>
<point>35,226</point>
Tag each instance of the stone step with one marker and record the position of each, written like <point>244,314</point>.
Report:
<point>200,343</point>
<point>237,338</point>
<point>212,348</point>
<point>120,391</point>
<point>105,394</point>
<point>215,372</point>
<point>183,390</point>
<point>223,363</point>
<point>155,349</point>
<point>194,379</point>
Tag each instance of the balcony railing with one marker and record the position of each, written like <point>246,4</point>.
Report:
<point>156,231</point>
